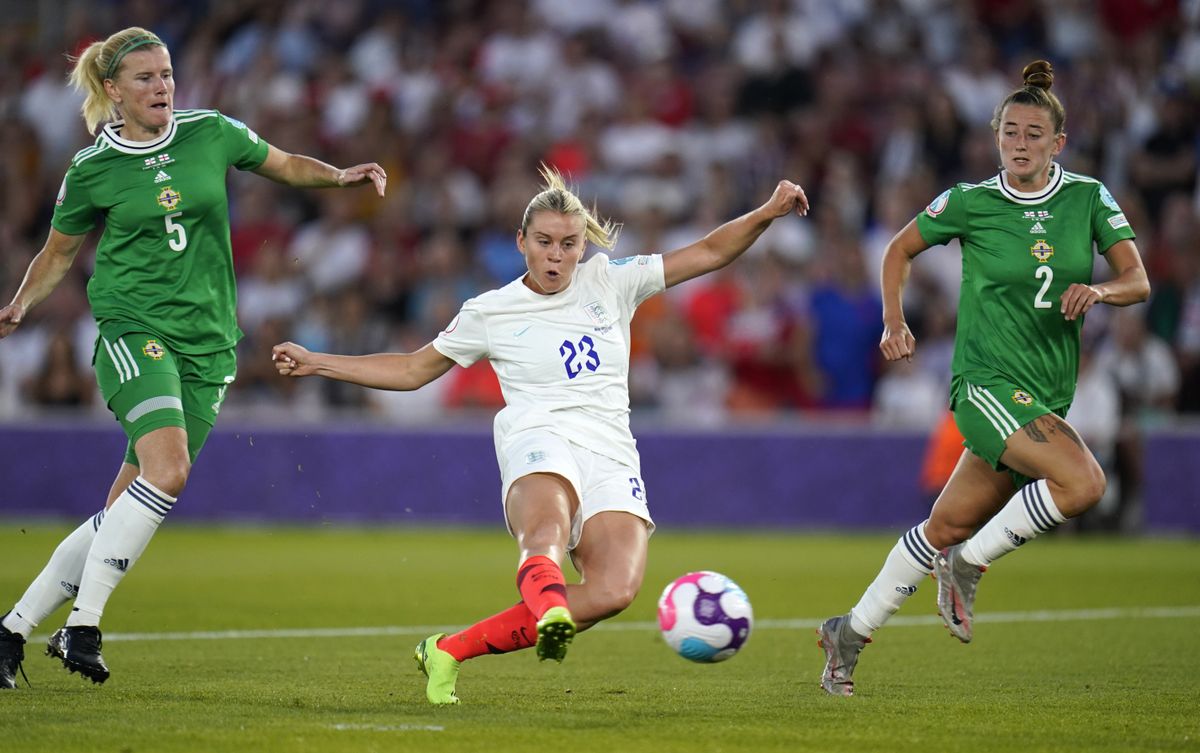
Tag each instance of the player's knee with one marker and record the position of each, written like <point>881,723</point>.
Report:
<point>169,476</point>
<point>615,598</point>
<point>1081,490</point>
<point>1096,483</point>
<point>942,533</point>
<point>543,541</point>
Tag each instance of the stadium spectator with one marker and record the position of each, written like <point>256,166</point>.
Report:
<point>260,220</point>
<point>356,327</point>
<point>907,396</point>
<point>844,308</point>
<point>444,282</point>
<point>332,251</point>
<point>1187,341</point>
<point>766,338</point>
<point>1096,415</point>
<point>684,386</point>
<point>558,338</point>
<point>61,382</point>
<point>1147,381</point>
<point>273,289</point>
<point>1143,367</point>
<point>1015,364</point>
<point>162,294</point>
<point>1166,163</point>
<point>584,84</point>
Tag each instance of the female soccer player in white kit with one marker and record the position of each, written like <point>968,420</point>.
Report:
<point>558,339</point>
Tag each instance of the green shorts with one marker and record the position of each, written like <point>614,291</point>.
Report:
<point>988,416</point>
<point>148,387</point>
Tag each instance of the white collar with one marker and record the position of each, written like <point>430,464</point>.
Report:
<point>112,133</point>
<point>1032,197</point>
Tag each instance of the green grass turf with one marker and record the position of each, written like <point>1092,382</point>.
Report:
<point>1123,684</point>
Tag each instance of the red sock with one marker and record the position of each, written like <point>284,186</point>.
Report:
<point>540,581</point>
<point>512,630</point>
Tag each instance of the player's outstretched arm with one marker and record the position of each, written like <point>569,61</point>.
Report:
<point>384,371</point>
<point>45,272</point>
<point>306,172</point>
<point>731,240</point>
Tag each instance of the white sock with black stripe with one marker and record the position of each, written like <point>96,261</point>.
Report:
<point>128,527</point>
<point>58,582</point>
<point>1030,513</point>
<point>910,560</point>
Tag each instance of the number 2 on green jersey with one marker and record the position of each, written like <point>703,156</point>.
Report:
<point>1039,301</point>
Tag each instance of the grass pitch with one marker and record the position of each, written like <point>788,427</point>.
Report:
<point>267,639</point>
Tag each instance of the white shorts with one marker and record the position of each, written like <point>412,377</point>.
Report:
<point>601,484</point>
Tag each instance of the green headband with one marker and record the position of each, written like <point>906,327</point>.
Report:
<point>127,48</point>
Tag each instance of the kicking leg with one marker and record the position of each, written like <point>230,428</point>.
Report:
<point>539,508</point>
<point>611,558</point>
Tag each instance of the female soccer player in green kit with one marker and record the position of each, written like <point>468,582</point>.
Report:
<point>1027,237</point>
<point>163,295</point>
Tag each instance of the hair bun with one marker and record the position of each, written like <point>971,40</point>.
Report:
<point>1039,73</point>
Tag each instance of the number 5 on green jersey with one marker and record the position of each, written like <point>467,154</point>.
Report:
<point>175,231</point>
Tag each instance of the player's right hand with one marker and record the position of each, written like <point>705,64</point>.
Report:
<point>292,360</point>
<point>10,318</point>
<point>897,342</point>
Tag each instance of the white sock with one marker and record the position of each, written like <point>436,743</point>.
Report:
<point>57,583</point>
<point>1028,514</point>
<point>910,561</point>
<point>128,528</point>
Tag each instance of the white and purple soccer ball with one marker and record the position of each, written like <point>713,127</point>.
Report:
<point>705,616</point>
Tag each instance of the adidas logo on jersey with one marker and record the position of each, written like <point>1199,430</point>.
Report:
<point>162,176</point>
<point>1037,228</point>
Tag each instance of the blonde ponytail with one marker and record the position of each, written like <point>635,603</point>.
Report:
<point>100,61</point>
<point>557,197</point>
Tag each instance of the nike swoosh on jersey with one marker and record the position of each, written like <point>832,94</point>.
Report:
<point>522,331</point>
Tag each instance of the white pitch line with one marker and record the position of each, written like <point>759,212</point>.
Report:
<point>1057,615</point>
<point>387,727</point>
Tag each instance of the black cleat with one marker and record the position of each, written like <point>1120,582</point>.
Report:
<point>79,649</point>
<point>12,653</point>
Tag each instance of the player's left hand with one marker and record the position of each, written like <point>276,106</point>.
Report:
<point>788,196</point>
<point>1078,300</point>
<point>363,174</point>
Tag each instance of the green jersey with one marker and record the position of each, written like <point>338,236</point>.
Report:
<point>164,263</point>
<point>1020,252</point>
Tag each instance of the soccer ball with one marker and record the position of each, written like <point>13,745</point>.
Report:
<point>704,616</point>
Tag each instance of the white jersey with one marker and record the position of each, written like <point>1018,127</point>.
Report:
<point>562,359</point>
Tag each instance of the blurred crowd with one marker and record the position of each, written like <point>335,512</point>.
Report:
<point>673,116</point>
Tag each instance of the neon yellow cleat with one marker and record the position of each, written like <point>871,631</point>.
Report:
<point>555,631</point>
<point>440,667</point>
